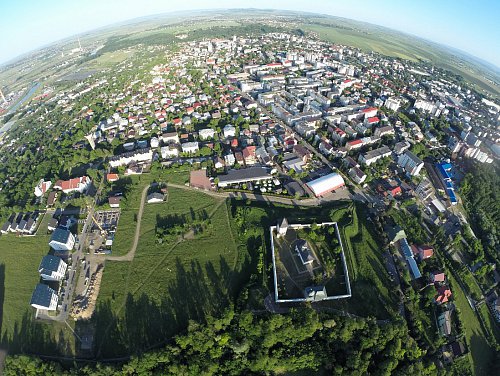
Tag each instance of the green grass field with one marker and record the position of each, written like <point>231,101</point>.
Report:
<point>19,260</point>
<point>110,59</point>
<point>145,301</point>
<point>371,286</point>
<point>480,353</point>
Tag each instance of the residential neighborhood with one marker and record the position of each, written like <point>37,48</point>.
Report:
<point>270,170</point>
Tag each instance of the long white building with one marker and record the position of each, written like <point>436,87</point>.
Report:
<point>326,184</point>
<point>141,155</point>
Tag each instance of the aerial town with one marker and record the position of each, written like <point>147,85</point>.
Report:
<point>281,118</point>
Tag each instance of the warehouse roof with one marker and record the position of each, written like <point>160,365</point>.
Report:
<point>244,175</point>
<point>326,183</point>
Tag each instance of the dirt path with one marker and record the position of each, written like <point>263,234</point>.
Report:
<point>130,255</point>
<point>187,236</point>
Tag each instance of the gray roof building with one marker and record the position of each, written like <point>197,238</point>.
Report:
<point>44,298</point>
<point>244,175</point>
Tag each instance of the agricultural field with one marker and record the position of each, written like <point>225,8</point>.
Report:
<point>391,43</point>
<point>19,260</point>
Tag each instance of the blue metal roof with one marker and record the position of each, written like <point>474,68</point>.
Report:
<point>413,267</point>
<point>446,166</point>
<point>451,193</point>
<point>443,172</point>
<point>405,247</point>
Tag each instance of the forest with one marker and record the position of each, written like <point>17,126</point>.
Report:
<point>480,190</point>
<point>252,343</point>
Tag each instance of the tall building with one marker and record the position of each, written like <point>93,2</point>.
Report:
<point>62,240</point>
<point>52,268</point>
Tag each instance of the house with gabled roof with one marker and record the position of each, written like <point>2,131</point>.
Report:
<point>80,184</point>
<point>443,294</point>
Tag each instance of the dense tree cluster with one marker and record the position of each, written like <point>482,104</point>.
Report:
<point>480,191</point>
<point>246,343</point>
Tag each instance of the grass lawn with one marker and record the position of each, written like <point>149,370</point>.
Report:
<point>371,286</point>
<point>19,260</point>
<point>132,188</point>
<point>144,302</point>
<point>480,351</point>
<point>110,59</point>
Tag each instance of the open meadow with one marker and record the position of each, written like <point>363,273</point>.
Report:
<point>185,276</point>
<point>19,261</point>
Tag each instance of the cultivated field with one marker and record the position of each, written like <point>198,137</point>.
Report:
<point>391,43</point>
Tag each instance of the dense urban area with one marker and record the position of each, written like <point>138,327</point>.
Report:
<point>249,198</point>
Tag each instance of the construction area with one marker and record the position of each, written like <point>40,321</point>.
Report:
<point>84,302</point>
<point>98,242</point>
<point>102,233</point>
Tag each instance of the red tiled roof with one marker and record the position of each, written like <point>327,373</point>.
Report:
<point>112,177</point>
<point>438,277</point>
<point>426,251</point>
<point>249,151</point>
<point>443,294</point>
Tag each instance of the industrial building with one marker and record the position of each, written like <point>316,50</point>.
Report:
<point>244,175</point>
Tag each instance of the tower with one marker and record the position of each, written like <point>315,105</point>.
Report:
<point>3,97</point>
<point>79,44</point>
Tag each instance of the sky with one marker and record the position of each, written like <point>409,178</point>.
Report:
<point>469,25</point>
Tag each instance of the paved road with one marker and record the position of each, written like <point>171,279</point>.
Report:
<point>342,194</point>
<point>130,255</point>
